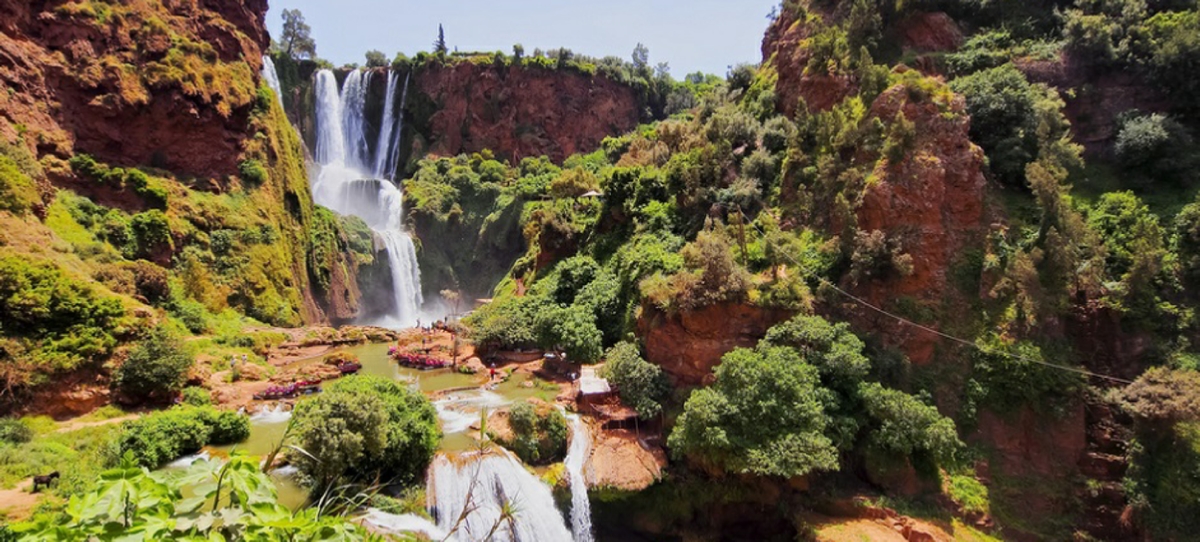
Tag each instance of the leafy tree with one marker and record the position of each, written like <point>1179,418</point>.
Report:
<point>710,276</point>
<point>1001,103</point>
<point>376,59</point>
<point>1186,243</point>
<point>762,415</point>
<point>1155,148</point>
<point>296,38</point>
<point>156,368</point>
<point>574,330</point>
<point>641,384</point>
<point>902,424</point>
<point>571,276</point>
<point>518,53</point>
<point>833,349</point>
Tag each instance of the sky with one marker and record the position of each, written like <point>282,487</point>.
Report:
<point>690,35</point>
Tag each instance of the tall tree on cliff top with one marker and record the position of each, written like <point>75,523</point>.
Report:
<point>439,46</point>
<point>296,38</point>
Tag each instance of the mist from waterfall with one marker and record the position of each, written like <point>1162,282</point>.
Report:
<point>349,183</point>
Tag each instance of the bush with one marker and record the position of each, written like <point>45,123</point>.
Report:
<point>539,434</point>
<point>710,276</point>
<point>156,368</point>
<point>196,396</point>
<point>17,191</point>
<point>151,233</point>
<point>14,431</point>
<point>162,437</point>
<point>762,415</point>
<point>253,172</point>
<point>1155,148</point>
<point>1001,103</point>
<point>368,428</point>
<point>641,384</point>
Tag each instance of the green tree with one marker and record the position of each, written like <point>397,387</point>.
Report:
<point>1001,103</point>
<point>641,384</point>
<point>1155,148</point>
<point>902,424</point>
<point>366,428</point>
<point>762,415</point>
<point>296,38</point>
<point>155,370</point>
<point>376,59</point>
<point>439,46</point>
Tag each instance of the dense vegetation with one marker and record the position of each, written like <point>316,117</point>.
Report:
<point>365,429</point>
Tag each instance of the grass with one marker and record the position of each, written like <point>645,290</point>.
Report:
<point>79,455</point>
<point>968,493</point>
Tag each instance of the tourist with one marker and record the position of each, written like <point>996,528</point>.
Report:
<point>491,374</point>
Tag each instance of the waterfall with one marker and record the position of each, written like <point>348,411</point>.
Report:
<point>272,77</point>
<point>492,480</point>
<point>343,186</point>
<point>577,456</point>
<point>384,147</point>
<point>354,124</point>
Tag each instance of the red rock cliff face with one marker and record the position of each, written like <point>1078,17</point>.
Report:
<point>167,84</point>
<point>784,50</point>
<point>689,345</point>
<point>519,111</point>
<point>932,201</point>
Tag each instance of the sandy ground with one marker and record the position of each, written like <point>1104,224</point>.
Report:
<point>18,502</point>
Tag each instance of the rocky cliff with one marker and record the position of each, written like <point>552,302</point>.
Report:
<point>173,89</point>
<point>516,112</point>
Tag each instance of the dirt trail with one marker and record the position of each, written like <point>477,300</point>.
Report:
<point>18,503</point>
<point>73,425</point>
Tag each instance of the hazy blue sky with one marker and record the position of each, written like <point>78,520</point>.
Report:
<point>690,35</point>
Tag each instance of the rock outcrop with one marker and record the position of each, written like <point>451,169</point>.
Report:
<point>516,111</point>
<point>931,201</point>
<point>136,83</point>
<point>688,345</point>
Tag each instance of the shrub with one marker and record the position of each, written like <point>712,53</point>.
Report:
<point>539,434</point>
<point>156,368</point>
<point>1155,148</point>
<point>17,191</point>
<point>14,431</point>
<point>151,281</point>
<point>161,437</point>
<point>710,276</point>
<point>196,396</point>
<point>903,425</point>
<point>253,172</point>
<point>366,427</point>
<point>151,233</point>
<point>573,329</point>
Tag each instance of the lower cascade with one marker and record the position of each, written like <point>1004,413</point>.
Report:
<point>344,185</point>
<point>485,487</point>
<point>577,455</point>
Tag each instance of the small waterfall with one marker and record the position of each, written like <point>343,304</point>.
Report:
<point>577,456</point>
<point>492,480</point>
<point>274,414</point>
<point>271,77</point>
<point>343,185</point>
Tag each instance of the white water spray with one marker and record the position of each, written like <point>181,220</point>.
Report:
<point>483,485</point>
<point>577,456</point>
<point>343,185</point>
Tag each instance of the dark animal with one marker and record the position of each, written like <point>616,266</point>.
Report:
<point>44,480</point>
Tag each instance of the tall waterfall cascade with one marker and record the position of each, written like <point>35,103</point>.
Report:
<point>352,178</point>
<point>577,456</point>
<point>482,485</point>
